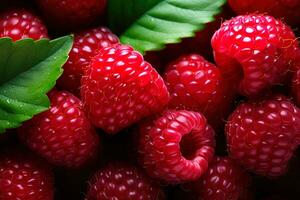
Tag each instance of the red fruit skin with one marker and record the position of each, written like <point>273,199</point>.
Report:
<point>224,180</point>
<point>288,10</point>
<point>195,84</point>
<point>262,135</point>
<point>62,135</point>
<point>71,14</point>
<point>255,52</point>
<point>119,89</point>
<point>123,181</point>
<point>20,24</point>
<point>86,45</point>
<point>176,147</point>
<point>25,177</point>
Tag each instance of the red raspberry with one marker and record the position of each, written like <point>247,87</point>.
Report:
<point>20,24</point>
<point>263,135</point>
<point>255,51</point>
<point>24,177</point>
<point>286,9</point>
<point>224,180</point>
<point>177,146</point>
<point>62,135</point>
<point>195,84</point>
<point>86,45</point>
<point>70,14</point>
<point>119,88</point>
<point>123,181</point>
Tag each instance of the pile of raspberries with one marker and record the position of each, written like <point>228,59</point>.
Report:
<point>214,117</point>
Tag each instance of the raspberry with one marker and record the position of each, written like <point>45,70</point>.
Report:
<point>123,181</point>
<point>71,14</point>
<point>62,135</point>
<point>86,45</point>
<point>119,88</point>
<point>177,146</point>
<point>24,177</point>
<point>263,135</point>
<point>224,180</point>
<point>195,84</point>
<point>254,51</point>
<point>286,9</point>
<point>20,24</point>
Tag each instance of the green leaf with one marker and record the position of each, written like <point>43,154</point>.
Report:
<point>28,70</point>
<point>151,24</point>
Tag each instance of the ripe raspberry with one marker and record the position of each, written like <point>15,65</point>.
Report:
<point>62,135</point>
<point>123,181</point>
<point>224,180</point>
<point>24,177</point>
<point>86,45</point>
<point>119,88</point>
<point>255,51</point>
<point>262,135</point>
<point>177,146</point>
<point>285,9</point>
<point>71,14</point>
<point>20,24</point>
<point>195,84</point>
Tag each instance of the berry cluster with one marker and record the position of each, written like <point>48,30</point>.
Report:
<point>215,126</point>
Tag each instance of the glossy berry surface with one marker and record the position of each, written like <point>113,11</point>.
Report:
<point>20,24</point>
<point>196,84</point>
<point>62,135</point>
<point>224,180</point>
<point>86,45</point>
<point>124,182</point>
<point>25,177</point>
<point>119,88</point>
<point>177,146</point>
<point>262,135</point>
<point>288,10</point>
<point>71,14</point>
<point>255,52</point>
